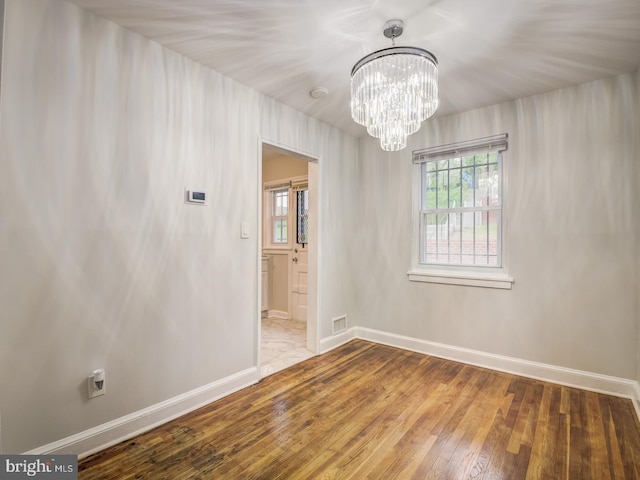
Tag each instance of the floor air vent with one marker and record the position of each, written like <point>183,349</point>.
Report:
<point>339,324</point>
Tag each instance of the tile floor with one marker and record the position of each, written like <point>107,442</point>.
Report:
<point>283,344</point>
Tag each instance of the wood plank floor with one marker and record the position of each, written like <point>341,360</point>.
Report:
<point>367,411</point>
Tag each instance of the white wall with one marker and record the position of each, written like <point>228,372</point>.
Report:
<point>572,234</point>
<point>103,265</point>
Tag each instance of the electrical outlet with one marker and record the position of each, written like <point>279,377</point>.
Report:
<point>97,384</point>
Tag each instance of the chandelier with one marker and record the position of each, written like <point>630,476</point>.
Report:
<point>394,90</point>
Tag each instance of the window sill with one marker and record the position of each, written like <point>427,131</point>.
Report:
<point>470,279</point>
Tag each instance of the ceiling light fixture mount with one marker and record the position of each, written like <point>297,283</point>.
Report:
<point>394,90</point>
<point>393,29</point>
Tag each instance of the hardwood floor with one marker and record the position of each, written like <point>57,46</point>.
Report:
<point>367,411</point>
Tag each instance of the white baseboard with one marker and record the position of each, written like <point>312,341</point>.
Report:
<point>336,340</point>
<point>279,314</point>
<point>113,432</point>
<point>636,398</point>
<point>620,387</point>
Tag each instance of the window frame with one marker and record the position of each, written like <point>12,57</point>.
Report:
<point>489,276</point>
<point>274,194</point>
<point>270,190</point>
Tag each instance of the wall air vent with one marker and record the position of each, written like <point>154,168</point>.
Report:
<point>339,324</point>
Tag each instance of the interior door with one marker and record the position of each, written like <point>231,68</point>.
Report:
<point>299,256</point>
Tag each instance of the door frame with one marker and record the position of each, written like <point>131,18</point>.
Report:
<point>313,171</point>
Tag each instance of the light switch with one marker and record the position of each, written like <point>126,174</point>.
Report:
<point>244,230</point>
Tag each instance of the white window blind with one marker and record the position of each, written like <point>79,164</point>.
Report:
<point>495,143</point>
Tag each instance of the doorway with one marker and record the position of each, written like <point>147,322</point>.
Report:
<point>288,328</point>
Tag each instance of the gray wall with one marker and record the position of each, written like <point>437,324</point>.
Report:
<point>1,38</point>
<point>103,265</point>
<point>636,181</point>
<point>572,234</point>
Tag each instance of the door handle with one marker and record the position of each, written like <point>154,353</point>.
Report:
<point>294,259</point>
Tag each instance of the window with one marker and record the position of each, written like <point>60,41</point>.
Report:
<point>284,214</point>
<point>280,215</point>
<point>461,211</point>
<point>302,216</point>
<point>459,219</point>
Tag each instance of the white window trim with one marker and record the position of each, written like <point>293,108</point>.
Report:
<point>470,279</point>
<point>487,277</point>
<point>267,235</point>
<point>277,197</point>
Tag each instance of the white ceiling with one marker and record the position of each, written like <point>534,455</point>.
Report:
<point>489,51</point>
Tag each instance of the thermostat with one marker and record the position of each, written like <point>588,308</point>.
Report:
<point>197,196</point>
